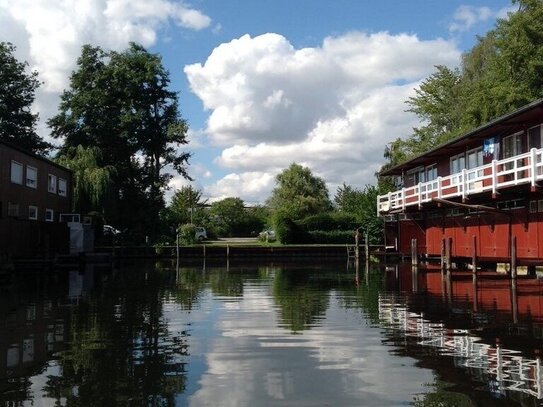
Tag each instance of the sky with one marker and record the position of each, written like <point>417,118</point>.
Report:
<point>263,84</point>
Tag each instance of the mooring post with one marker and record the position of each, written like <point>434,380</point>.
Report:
<point>474,255</point>
<point>204,250</point>
<point>366,246</point>
<point>442,254</point>
<point>514,257</point>
<point>227,251</point>
<point>514,300</point>
<point>414,259</point>
<point>448,245</point>
<point>177,249</point>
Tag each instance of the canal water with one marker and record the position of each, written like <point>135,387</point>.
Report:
<point>297,334</point>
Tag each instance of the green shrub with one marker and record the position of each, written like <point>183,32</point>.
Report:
<point>329,221</point>
<point>187,234</point>
<point>287,231</point>
<point>332,237</point>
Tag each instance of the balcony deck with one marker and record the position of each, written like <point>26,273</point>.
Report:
<point>522,169</point>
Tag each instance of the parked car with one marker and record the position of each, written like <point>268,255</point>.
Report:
<point>267,235</point>
<point>201,233</point>
<point>110,230</point>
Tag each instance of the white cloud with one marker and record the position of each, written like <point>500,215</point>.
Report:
<point>332,108</point>
<point>49,34</point>
<point>465,17</point>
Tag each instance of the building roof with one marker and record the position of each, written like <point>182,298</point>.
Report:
<point>22,150</point>
<point>506,124</point>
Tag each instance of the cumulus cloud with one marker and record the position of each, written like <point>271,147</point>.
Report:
<point>332,108</point>
<point>49,34</point>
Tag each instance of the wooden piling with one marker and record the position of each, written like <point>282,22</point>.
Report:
<point>474,255</point>
<point>367,247</point>
<point>514,257</point>
<point>448,254</point>
<point>442,254</point>
<point>414,259</point>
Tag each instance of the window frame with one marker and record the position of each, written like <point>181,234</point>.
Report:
<point>35,170</point>
<point>62,192</point>
<point>457,158</point>
<point>11,206</point>
<point>52,213</point>
<point>20,165</point>
<point>33,207</point>
<point>531,135</point>
<point>52,183</point>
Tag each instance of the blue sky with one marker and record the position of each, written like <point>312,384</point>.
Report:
<point>265,83</point>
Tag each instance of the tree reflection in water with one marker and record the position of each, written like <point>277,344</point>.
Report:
<point>129,337</point>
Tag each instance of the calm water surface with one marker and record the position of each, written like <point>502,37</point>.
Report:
<point>147,334</point>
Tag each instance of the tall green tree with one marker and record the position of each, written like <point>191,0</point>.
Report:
<point>17,93</point>
<point>501,73</point>
<point>187,206</point>
<point>119,102</point>
<point>363,205</point>
<point>299,193</point>
<point>230,217</point>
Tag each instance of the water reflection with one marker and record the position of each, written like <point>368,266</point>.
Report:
<point>155,334</point>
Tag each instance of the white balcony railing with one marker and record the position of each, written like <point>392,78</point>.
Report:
<point>521,169</point>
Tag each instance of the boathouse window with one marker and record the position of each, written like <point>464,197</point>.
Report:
<point>475,158</point>
<point>52,183</point>
<point>512,145</point>
<point>32,212</point>
<point>49,215</point>
<point>62,187</point>
<point>16,172</point>
<point>31,177</point>
<point>431,173</point>
<point>13,209</point>
<point>535,136</point>
<point>458,163</point>
<point>417,175</point>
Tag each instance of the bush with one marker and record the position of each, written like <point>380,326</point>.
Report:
<point>187,234</point>
<point>287,231</point>
<point>330,221</point>
<point>332,237</point>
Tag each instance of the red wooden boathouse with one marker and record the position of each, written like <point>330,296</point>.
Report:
<point>480,192</point>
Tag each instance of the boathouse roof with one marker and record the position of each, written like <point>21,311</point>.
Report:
<point>503,125</point>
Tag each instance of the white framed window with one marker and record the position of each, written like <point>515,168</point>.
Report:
<point>16,172</point>
<point>431,173</point>
<point>535,136</point>
<point>49,215</point>
<point>458,163</point>
<point>52,183</point>
<point>475,158</point>
<point>62,184</point>
<point>417,175</point>
<point>31,177</point>
<point>512,145</point>
<point>13,209</point>
<point>32,212</point>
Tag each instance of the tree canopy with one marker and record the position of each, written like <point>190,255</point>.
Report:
<point>299,193</point>
<point>501,73</point>
<point>119,103</point>
<point>17,93</point>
